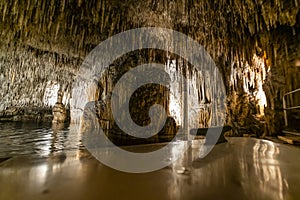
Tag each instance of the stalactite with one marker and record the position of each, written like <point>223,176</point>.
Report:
<point>4,12</point>
<point>227,30</point>
<point>63,4</point>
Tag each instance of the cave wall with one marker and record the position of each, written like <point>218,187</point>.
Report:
<point>188,90</point>
<point>27,74</point>
<point>55,36</point>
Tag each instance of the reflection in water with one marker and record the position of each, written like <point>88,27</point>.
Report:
<point>38,175</point>
<point>264,173</point>
<point>179,167</point>
<point>243,170</point>
<point>40,139</point>
<point>267,169</point>
<point>240,169</point>
<point>207,174</point>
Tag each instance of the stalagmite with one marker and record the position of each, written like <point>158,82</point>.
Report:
<point>59,110</point>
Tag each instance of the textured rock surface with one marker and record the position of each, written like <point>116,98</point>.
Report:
<point>44,41</point>
<point>59,110</point>
<point>25,76</point>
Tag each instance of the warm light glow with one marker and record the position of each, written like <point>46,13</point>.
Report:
<point>51,92</point>
<point>175,109</point>
<point>260,96</point>
<point>253,79</point>
<point>38,175</point>
<point>266,164</point>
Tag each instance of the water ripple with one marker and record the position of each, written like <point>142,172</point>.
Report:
<point>17,139</point>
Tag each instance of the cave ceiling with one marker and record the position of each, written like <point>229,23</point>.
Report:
<point>229,30</point>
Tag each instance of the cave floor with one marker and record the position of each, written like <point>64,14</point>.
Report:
<point>243,168</point>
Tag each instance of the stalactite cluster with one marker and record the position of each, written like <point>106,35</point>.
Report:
<point>229,29</point>
<point>57,34</point>
<point>25,73</point>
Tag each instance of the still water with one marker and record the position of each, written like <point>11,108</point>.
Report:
<point>40,139</point>
<point>242,168</point>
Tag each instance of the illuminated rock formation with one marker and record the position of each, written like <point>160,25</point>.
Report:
<point>255,45</point>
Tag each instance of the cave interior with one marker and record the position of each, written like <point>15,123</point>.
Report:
<point>254,45</point>
<point>149,74</point>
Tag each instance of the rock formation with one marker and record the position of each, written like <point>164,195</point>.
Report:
<point>255,45</point>
<point>59,111</point>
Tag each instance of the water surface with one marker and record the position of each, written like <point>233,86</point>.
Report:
<point>41,139</point>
